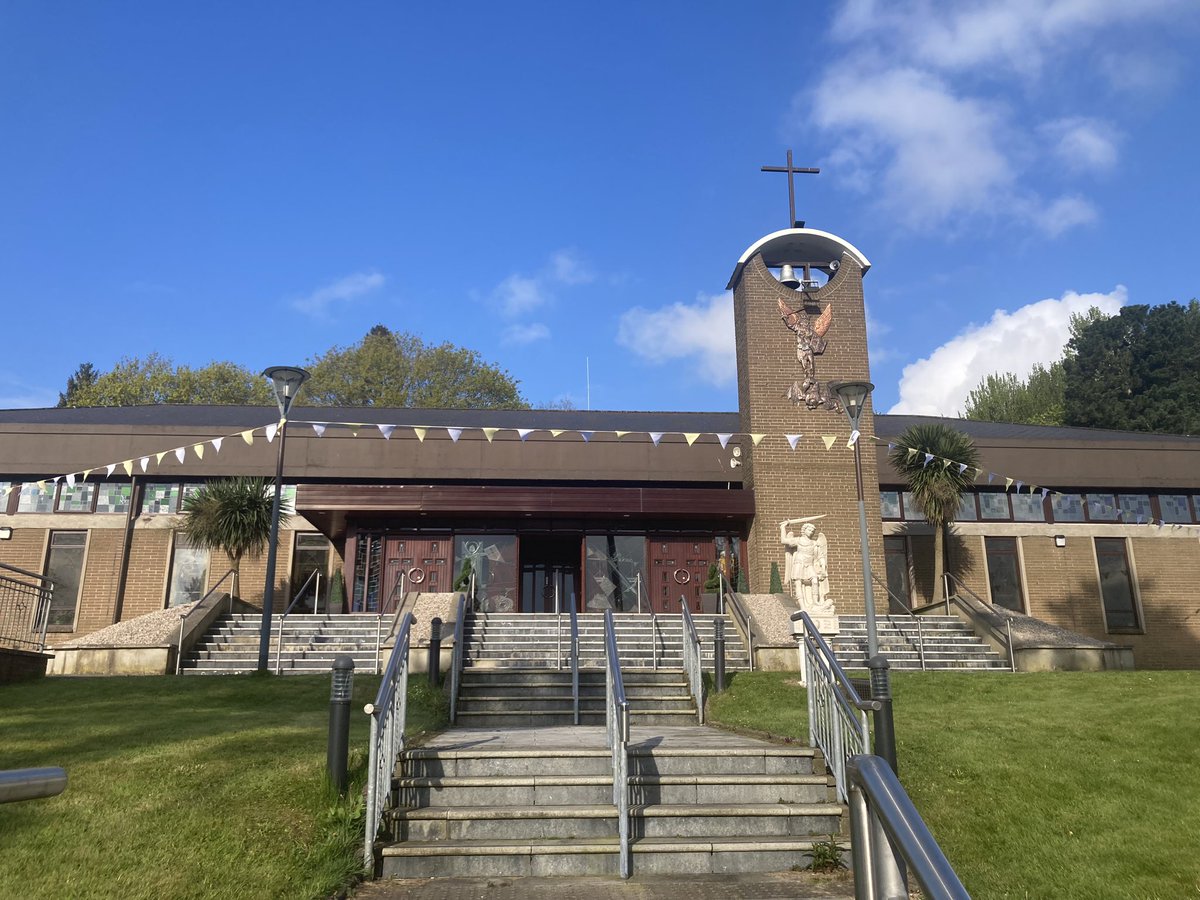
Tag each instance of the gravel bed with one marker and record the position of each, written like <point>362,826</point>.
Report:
<point>772,619</point>
<point>151,630</point>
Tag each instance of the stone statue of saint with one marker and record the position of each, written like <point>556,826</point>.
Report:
<point>808,566</point>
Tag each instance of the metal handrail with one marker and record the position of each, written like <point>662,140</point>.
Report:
<point>32,784</point>
<point>837,715</point>
<point>616,719</point>
<point>1005,637</point>
<point>200,605</point>
<point>883,820</point>
<point>574,660</point>
<point>388,714</point>
<point>691,658</point>
<point>654,638</point>
<point>391,629</point>
<point>287,612</point>
<point>456,657</point>
<point>739,611</point>
<point>907,611</point>
<point>16,590</point>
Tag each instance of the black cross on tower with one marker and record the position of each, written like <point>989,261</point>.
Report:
<point>791,171</point>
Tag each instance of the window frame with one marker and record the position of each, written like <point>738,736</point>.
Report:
<point>1018,555</point>
<point>64,628</point>
<point>1134,593</point>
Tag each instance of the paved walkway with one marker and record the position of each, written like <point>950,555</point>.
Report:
<point>755,886</point>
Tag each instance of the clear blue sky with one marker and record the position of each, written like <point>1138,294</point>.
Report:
<point>549,183</point>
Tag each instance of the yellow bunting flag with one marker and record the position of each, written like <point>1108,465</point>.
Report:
<point>86,473</point>
<point>127,465</point>
<point>1007,483</point>
<point>945,463</point>
<point>555,432</point>
<point>912,451</point>
<point>159,455</point>
<point>691,436</point>
<point>489,433</point>
<point>199,448</point>
<point>756,438</point>
<point>248,436</point>
<point>829,440</point>
<point>41,485</point>
<point>620,434</point>
<point>420,433</point>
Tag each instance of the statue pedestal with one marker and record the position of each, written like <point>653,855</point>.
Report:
<point>827,624</point>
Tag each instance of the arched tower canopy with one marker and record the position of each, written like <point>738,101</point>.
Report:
<point>797,246</point>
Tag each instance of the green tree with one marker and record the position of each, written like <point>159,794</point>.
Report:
<point>1137,371</point>
<point>394,368</point>
<point>1036,400</point>
<point>155,379</point>
<point>83,378</point>
<point>936,486</point>
<point>232,515</point>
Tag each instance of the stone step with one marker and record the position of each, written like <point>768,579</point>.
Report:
<point>597,856</point>
<point>519,718</point>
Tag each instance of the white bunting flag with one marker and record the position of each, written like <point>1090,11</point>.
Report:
<point>420,433</point>
<point>586,435</point>
<point>144,462</point>
<point>928,460</point>
<point>271,430</point>
<point>319,429</point>
<point>386,431</point>
<point>829,439</point>
<point>489,433</point>
<point>656,436</point>
<point>523,433</point>
<point>108,470</point>
<point>70,481</point>
<point>854,436</point>
<point>962,467</point>
<point>179,451</point>
<point>216,442</point>
<point>724,439</point>
<point>455,434</point>
<point>793,439</point>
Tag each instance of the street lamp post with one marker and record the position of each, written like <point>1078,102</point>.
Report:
<point>853,395</point>
<point>286,382</point>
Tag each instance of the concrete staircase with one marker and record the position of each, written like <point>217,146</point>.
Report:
<point>538,802</point>
<point>310,643</point>
<point>949,644</point>
<point>530,640</point>
<point>510,697</point>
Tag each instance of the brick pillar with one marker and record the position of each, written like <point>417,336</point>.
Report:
<point>809,480</point>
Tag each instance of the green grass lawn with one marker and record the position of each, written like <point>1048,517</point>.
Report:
<point>1048,785</point>
<point>184,787</point>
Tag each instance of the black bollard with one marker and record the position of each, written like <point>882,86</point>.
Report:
<point>339,721</point>
<point>885,725</point>
<point>435,652</point>
<point>719,654</point>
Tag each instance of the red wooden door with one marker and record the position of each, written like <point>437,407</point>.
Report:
<point>678,567</point>
<point>425,562</point>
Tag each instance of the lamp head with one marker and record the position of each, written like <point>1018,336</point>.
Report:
<point>853,395</point>
<point>286,381</point>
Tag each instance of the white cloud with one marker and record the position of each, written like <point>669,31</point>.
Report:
<point>1009,342</point>
<point>701,332</point>
<point>319,302</point>
<point>1084,145</point>
<point>1062,214</point>
<point>566,268</point>
<point>519,294</point>
<point>525,334</point>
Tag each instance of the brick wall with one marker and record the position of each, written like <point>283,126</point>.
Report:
<point>810,480</point>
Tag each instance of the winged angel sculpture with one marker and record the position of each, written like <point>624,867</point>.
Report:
<point>810,342</point>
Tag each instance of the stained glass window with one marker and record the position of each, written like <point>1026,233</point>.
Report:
<point>1135,507</point>
<point>1174,507</point>
<point>1067,508</point>
<point>77,498</point>
<point>1102,507</point>
<point>1028,508</point>
<point>993,505</point>
<point>912,509</point>
<point>966,509</point>
<point>114,498</point>
<point>36,499</point>
<point>160,498</point>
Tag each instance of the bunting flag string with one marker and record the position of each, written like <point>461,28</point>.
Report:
<point>792,439</point>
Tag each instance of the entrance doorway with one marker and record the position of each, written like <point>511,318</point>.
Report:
<point>549,573</point>
<point>678,568</point>
<point>424,562</point>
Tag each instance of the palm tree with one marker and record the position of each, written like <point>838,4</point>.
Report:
<point>231,514</point>
<point>936,485</point>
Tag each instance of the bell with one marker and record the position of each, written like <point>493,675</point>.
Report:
<point>787,277</point>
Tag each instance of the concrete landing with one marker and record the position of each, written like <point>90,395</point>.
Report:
<point>568,738</point>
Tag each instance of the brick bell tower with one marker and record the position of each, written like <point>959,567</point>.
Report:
<point>800,325</point>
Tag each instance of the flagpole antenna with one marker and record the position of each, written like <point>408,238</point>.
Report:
<point>587,375</point>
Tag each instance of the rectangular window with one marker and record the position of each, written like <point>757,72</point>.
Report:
<point>1116,585</point>
<point>311,555</point>
<point>35,499</point>
<point>614,572</point>
<point>160,499</point>
<point>76,499</point>
<point>1174,507</point>
<point>889,504</point>
<point>1102,507</point>
<point>64,567</point>
<point>1028,508</point>
<point>912,509</point>
<point>1135,508</point>
<point>287,499</point>
<point>368,560</point>
<point>4,496</point>
<point>1004,573</point>
<point>966,509</point>
<point>1067,508</point>
<point>492,561</point>
<point>993,505</point>
<point>189,572</point>
<point>114,498</point>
